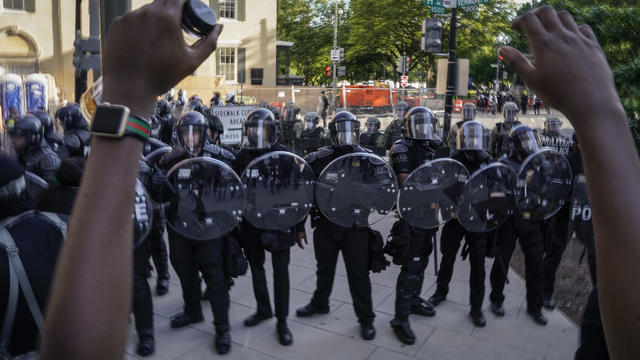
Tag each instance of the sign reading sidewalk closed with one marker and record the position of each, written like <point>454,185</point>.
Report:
<point>232,118</point>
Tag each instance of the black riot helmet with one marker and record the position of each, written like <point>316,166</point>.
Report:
<point>472,136</point>
<point>344,129</point>
<point>523,141</point>
<point>311,119</point>
<point>421,124</point>
<point>163,107</point>
<point>45,120</point>
<point>552,124</point>
<point>71,117</point>
<point>372,124</point>
<point>191,131</point>
<point>29,128</point>
<point>510,112</point>
<point>215,124</point>
<point>401,110</point>
<point>259,130</point>
<point>468,112</point>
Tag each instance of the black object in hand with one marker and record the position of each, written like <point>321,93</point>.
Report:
<point>198,18</point>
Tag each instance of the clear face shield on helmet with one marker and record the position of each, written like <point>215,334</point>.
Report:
<point>400,112</point>
<point>525,143</point>
<point>371,127</point>
<point>468,112</point>
<point>258,135</point>
<point>348,132</point>
<point>190,138</point>
<point>422,126</point>
<point>552,125</point>
<point>473,136</point>
<point>510,112</point>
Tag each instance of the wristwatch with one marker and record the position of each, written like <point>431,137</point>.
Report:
<point>116,121</point>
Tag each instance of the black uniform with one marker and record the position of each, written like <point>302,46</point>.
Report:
<point>311,139</point>
<point>530,235</point>
<point>41,161</point>
<point>329,239</point>
<point>373,141</point>
<point>555,234</point>
<point>190,256</point>
<point>405,156</point>
<point>393,133</point>
<point>255,241</point>
<point>452,234</point>
<point>500,138</point>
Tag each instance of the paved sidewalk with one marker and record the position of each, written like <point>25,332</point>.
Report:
<point>448,335</point>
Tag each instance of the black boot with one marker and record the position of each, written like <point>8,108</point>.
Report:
<point>437,298</point>
<point>310,310</point>
<point>223,340</point>
<point>284,335</point>
<point>255,319</point>
<point>549,304</point>
<point>497,309</point>
<point>422,308</point>
<point>478,318</point>
<point>184,319</point>
<point>538,317</point>
<point>146,343</point>
<point>367,331</point>
<point>403,331</point>
<point>162,286</point>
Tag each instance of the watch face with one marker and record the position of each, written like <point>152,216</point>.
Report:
<point>109,120</point>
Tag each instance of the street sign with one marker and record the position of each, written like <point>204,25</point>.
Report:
<point>232,118</point>
<point>437,10</point>
<point>342,70</point>
<point>404,80</point>
<point>335,54</point>
<point>465,3</point>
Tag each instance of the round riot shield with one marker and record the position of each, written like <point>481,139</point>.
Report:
<point>356,190</point>
<point>35,184</point>
<point>580,216</point>
<point>142,214</point>
<point>429,195</point>
<point>207,198</point>
<point>544,185</point>
<point>279,190</point>
<point>487,198</point>
<point>156,154</point>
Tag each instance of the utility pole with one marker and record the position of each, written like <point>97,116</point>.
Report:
<point>335,63</point>
<point>451,73</point>
<point>80,75</point>
<point>109,10</point>
<point>498,75</point>
<point>94,27</point>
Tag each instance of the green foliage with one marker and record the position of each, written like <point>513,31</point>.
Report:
<point>616,24</point>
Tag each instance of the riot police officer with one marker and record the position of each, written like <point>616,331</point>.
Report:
<point>471,150</point>
<point>523,142</point>
<point>372,138</point>
<point>330,238</point>
<point>394,130</point>
<point>50,135</point>
<point>500,133</point>
<point>312,135</point>
<point>259,137</point>
<point>290,125</point>
<point>165,118</point>
<point>468,114</point>
<point>33,151</point>
<point>216,100</point>
<point>419,145</point>
<point>555,234</point>
<point>77,137</point>
<point>189,256</point>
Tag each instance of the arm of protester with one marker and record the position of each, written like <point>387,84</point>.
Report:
<point>571,74</point>
<point>91,294</point>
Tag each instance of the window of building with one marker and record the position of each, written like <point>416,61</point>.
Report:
<point>227,63</point>
<point>228,9</point>
<point>13,4</point>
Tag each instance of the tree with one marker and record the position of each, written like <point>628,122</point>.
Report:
<point>616,24</point>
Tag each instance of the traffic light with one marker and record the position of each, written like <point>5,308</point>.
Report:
<point>327,70</point>
<point>403,64</point>
<point>341,55</point>
<point>432,31</point>
<point>501,57</point>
